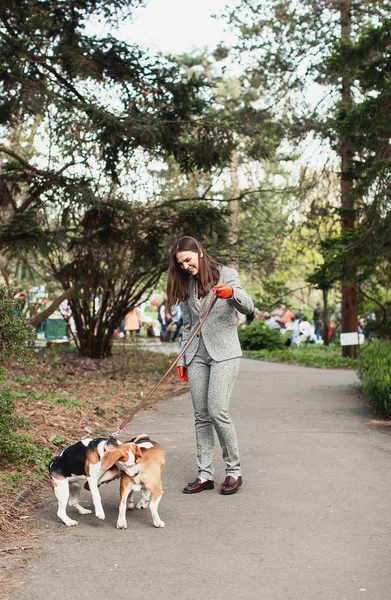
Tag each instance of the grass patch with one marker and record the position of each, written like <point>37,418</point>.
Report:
<point>314,355</point>
<point>374,370</point>
<point>71,402</point>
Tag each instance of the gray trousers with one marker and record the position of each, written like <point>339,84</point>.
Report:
<point>211,384</point>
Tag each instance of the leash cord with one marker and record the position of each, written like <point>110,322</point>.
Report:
<point>181,353</point>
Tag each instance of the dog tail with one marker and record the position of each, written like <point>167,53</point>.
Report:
<point>144,437</point>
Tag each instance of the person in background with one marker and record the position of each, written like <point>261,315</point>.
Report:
<point>21,298</point>
<point>177,318</point>
<point>318,321</point>
<point>132,323</point>
<point>369,324</point>
<point>287,317</point>
<point>162,316</point>
<point>271,322</point>
<point>250,318</point>
<point>211,362</point>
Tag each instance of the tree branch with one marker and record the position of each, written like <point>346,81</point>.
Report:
<point>383,308</point>
<point>239,197</point>
<point>42,316</point>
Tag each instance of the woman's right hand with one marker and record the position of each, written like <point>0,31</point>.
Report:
<point>182,373</point>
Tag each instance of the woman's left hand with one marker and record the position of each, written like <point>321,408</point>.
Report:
<point>223,291</point>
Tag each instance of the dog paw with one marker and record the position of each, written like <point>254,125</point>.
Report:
<point>142,504</point>
<point>159,523</point>
<point>121,525</point>
<point>84,511</point>
<point>100,515</point>
<point>130,506</point>
<point>71,523</point>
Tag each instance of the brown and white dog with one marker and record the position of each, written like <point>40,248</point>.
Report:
<point>150,459</point>
<point>83,462</point>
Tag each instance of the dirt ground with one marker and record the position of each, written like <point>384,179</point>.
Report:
<point>64,398</point>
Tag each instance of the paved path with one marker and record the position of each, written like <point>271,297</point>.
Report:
<point>311,522</point>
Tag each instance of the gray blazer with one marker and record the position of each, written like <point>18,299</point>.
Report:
<point>219,332</point>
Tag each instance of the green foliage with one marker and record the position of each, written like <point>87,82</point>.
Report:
<point>86,108</point>
<point>15,333</point>
<point>311,355</point>
<point>13,478</point>
<point>15,447</point>
<point>258,220</point>
<point>12,445</point>
<point>114,253</point>
<point>345,46</point>
<point>63,401</point>
<point>58,440</point>
<point>56,75</point>
<point>374,370</point>
<point>274,290</point>
<point>258,336</point>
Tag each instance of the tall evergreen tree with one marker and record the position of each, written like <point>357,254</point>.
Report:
<point>257,204</point>
<point>290,48</point>
<point>74,106</point>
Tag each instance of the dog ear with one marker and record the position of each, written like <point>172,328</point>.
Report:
<point>110,457</point>
<point>137,453</point>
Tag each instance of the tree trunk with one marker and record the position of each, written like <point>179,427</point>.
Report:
<point>42,316</point>
<point>325,317</point>
<point>234,206</point>
<point>4,271</point>
<point>349,291</point>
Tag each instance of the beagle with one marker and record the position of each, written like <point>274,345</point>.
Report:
<point>150,459</point>
<point>83,461</point>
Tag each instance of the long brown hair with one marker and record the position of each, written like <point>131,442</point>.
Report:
<point>178,279</point>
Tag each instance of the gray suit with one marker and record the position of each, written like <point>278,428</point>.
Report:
<point>212,362</point>
<point>219,332</point>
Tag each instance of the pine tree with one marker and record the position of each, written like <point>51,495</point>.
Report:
<point>294,48</point>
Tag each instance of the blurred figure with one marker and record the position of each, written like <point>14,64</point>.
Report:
<point>270,321</point>
<point>287,317</point>
<point>369,324</point>
<point>163,317</point>
<point>318,320</point>
<point>250,318</point>
<point>177,319</point>
<point>21,298</point>
<point>306,332</point>
<point>132,323</point>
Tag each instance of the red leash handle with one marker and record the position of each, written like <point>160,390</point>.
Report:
<point>185,347</point>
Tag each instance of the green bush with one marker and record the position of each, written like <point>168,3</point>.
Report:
<point>374,370</point>
<point>15,332</point>
<point>259,336</point>
<point>15,335</point>
<point>11,443</point>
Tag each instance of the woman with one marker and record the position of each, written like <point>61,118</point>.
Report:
<point>211,363</point>
<point>132,323</point>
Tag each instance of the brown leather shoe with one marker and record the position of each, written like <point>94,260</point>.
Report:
<point>231,485</point>
<point>198,486</point>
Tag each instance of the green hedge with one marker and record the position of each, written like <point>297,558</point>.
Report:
<point>15,335</point>
<point>259,336</point>
<point>374,370</point>
<point>313,355</point>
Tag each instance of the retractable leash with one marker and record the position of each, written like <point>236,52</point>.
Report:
<point>131,415</point>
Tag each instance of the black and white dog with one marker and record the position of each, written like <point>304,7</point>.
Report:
<point>82,462</point>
